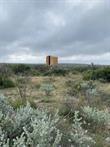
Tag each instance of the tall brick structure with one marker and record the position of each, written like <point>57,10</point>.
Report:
<point>51,60</point>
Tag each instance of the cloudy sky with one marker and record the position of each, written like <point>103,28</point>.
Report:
<point>78,31</point>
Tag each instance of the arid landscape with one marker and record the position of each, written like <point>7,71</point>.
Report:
<point>54,73</point>
<point>75,93</point>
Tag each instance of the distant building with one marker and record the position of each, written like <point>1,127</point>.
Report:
<point>51,60</point>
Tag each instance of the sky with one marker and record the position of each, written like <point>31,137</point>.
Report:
<point>77,31</point>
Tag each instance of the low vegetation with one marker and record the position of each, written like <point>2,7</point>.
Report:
<point>60,106</point>
<point>102,74</point>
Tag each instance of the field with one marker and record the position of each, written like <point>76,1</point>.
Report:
<point>63,106</point>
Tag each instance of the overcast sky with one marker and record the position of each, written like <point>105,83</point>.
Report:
<point>78,31</point>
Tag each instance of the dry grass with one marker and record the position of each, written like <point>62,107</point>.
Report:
<point>58,95</point>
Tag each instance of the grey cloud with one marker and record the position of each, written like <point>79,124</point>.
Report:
<point>63,28</point>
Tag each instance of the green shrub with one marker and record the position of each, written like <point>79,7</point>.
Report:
<point>5,107</point>
<point>99,117</point>
<point>27,126</point>
<point>78,89</point>
<point>68,107</point>
<point>21,68</point>
<point>35,73</point>
<point>64,110</point>
<point>102,74</point>
<point>17,103</point>
<point>79,136</point>
<point>88,75</point>
<point>73,88</point>
<point>47,88</point>
<point>88,89</point>
<point>41,68</point>
<point>23,87</point>
<point>6,82</point>
<point>55,72</point>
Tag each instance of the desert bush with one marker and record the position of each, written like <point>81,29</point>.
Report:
<point>34,72</point>
<point>79,89</point>
<point>28,69</point>
<point>5,76</point>
<point>5,70</point>
<point>42,68</point>
<point>59,72</point>
<point>17,103</point>
<point>88,89</point>
<point>44,132</point>
<point>27,126</point>
<point>5,107</point>
<point>102,74</point>
<point>55,72</point>
<point>47,88</point>
<point>73,88</point>
<point>23,87</point>
<point>6,82</point>
<point>68,107</point>
<point>88,75</point>
<point>22,118</point>
<point>21,69</point>
<point>4,142</point>
<point>64,110</point>
<point>99,117</point>
<point>79,136</point>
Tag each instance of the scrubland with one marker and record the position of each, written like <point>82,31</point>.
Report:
<point>61,106</point>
